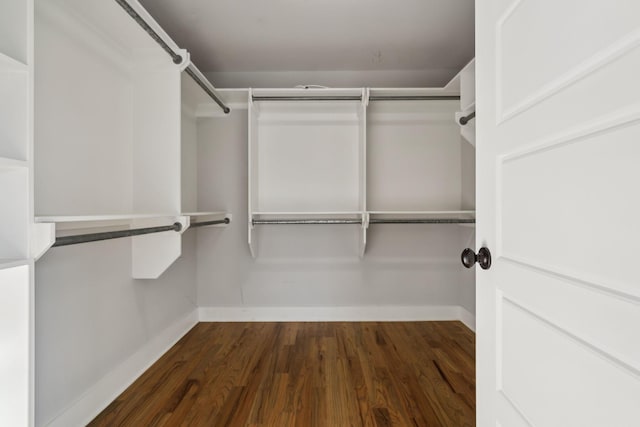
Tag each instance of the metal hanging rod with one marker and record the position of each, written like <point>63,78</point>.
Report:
<point>307,98</point>
<point>423,221</point>
<point>107,235</point>
<point>208,91</point>
<point>464,120</point>
<point>176,58</point>
<point>205,223</point>
<point>306,221</point>
<point>414,98</point>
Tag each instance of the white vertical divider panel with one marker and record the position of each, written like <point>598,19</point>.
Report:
<point>252,112</point>
<point>467,79</point>
<point>157,153</point>
<point>15,133</point>
<point>363,170</point>
<point>189,145</point>
<point>16,214</point>
<point>153,253</point>
<point>468,86</point>
<point>15,346</point>
<point>15,23</point>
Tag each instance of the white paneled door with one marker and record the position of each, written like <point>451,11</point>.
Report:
<point>558,139</point>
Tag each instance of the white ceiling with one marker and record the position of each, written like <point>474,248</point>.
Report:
<point>382,36</point>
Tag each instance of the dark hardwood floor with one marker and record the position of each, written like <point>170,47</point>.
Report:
<point>307,374</point>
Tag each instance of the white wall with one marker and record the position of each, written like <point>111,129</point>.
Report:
<point>91,316</point>
<point>414,265</point>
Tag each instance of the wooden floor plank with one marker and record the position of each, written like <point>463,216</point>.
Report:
<point>363,374</point>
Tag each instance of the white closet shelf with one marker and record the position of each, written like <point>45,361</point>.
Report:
<point>414,92</point>
<point>314,92</point>
<point>463,214</point>
<point>75,222</point>
<point>8,163</point>
<point>10,263</point>
<point>7,63</point>
<point>307,215</point>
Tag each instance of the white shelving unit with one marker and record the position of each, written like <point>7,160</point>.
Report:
<point>377,156</point>
<point>15,135</point>
<point>128,160</point>
<point>16,267</point>
<point>306,156</point>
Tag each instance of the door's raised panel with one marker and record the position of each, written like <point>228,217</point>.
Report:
<point>584,100</point>
<point>508,414</point>
<point>603,320</point>
<point>571,206</point>
<point>556,380</point>
<point>533,62</point>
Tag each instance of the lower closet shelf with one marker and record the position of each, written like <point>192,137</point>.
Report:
<point>156,238</point>
<point>422,217</point>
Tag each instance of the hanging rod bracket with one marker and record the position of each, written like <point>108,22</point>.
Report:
<point>186,59</point>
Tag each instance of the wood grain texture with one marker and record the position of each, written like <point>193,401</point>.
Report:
<point>307,374</point>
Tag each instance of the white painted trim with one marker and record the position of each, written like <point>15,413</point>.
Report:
<point>115,382</point>
<point>466,317</point>
<point>328,314</point>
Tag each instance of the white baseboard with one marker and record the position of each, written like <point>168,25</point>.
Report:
<point>467,318</point>
<point>328,314</point>
<point>115,382</point>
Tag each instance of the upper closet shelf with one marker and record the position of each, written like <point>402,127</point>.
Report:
<point>8,163</point>
<point>83,222</point>
<point>311,94</point>
<point>305,214</point>
<point>10,263</point>
<point>414,94</point>
<point>7,63</point>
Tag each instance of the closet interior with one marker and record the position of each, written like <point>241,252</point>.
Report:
<point>353,197</point>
